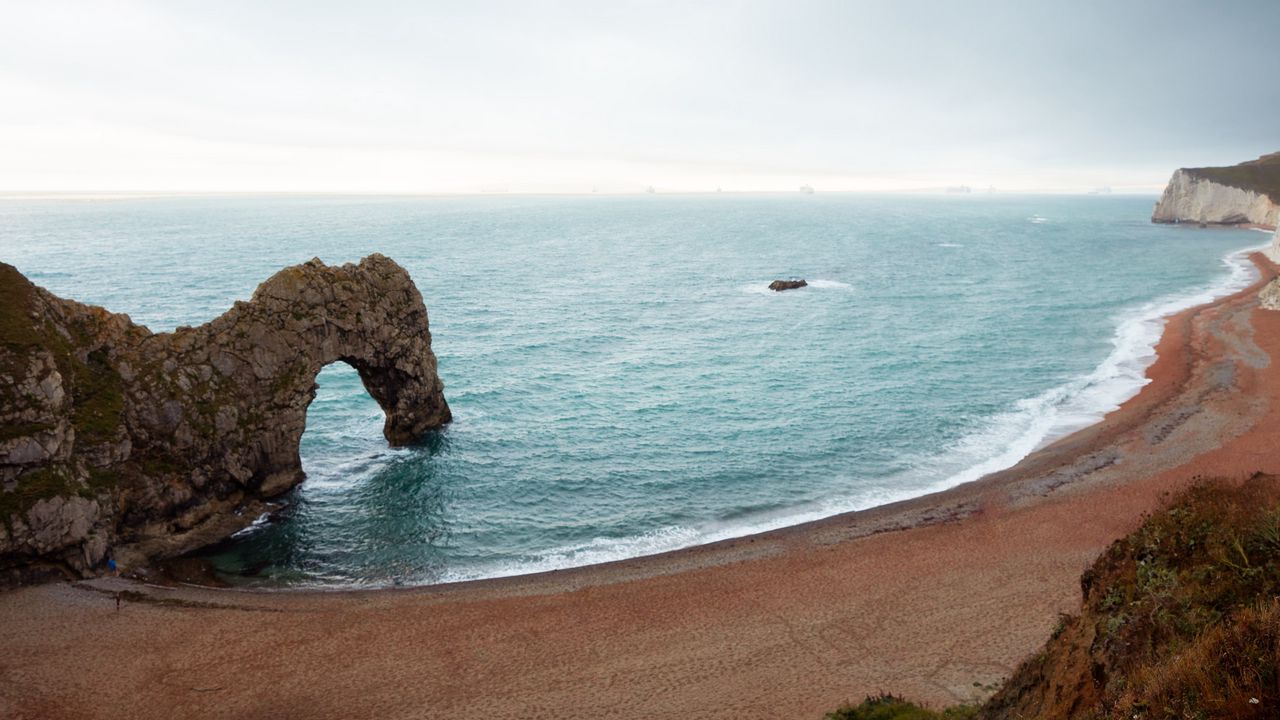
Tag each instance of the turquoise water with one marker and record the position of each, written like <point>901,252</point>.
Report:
<point>621,380</point>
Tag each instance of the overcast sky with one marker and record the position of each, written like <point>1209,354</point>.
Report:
<point>564,97</point>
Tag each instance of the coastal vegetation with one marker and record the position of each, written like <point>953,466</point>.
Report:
<point>1261,175</point>
<point>1180,619</point>
<point>889,707</point>
<point>92,388</point>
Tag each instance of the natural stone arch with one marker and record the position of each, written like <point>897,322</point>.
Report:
<point>200,428</point>
<point>305,317</point>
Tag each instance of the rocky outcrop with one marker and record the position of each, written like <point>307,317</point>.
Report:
<point>118,441</point>
<point>1248,193</point>
<point>780,285</point>
<point>1269,296</point>
<point>1273,250</point>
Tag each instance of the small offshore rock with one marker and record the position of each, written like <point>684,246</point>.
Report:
<point>780,285</point>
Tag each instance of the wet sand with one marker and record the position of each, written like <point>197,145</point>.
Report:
<point>931,598</point>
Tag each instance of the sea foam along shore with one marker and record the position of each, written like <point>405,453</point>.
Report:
<point>929,592</point>
<point>998,444</point>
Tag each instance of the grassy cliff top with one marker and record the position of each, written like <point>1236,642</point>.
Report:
<point>1261,175</point>
<point>28,331</point>
<point>16,303</point>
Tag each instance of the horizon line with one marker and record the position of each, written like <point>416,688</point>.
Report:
<point>974,192</point>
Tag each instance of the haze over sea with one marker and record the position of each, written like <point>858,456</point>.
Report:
<point>621,379</point>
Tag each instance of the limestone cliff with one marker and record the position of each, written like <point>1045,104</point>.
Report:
<point>147,445</point>
<point>1244,193</point>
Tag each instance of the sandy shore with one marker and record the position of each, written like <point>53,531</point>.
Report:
<point>931,598</point>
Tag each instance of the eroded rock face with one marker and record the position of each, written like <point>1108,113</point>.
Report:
<point>146,445</point>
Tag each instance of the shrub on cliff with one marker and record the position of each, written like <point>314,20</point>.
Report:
<point>888,707</point>
<point>1181,619</point>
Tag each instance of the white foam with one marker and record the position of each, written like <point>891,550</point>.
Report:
<point>258,522</point>
<point>1060,411</point>
<point>757,289</point>
<point>593,552</point>
<point>949,245</point>
<point>1000,444</point>
<point>830,285</point>
<point>1038,220</point>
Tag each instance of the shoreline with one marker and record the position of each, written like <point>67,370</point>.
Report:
<point>928,508</point>
<point>931,597</point>
<point>198,570</point>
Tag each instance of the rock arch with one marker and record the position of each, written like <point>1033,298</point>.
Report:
<point>153,444</point>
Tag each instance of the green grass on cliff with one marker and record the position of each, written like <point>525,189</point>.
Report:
<point>1181,619</point>
<point>1261,175</point>
<point>97,392</point>
<point>888,707</point>
<point>17,330</point>
<point>37,485</point>
<point>95,388</point>
<point>17,430</point>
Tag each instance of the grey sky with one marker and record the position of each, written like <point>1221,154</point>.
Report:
<point>426,97</point>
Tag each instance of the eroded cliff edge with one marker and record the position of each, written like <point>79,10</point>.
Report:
<point>1248,193</point>
<point>114,439</point>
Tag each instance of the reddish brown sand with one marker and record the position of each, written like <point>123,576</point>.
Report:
<point>929,598</point>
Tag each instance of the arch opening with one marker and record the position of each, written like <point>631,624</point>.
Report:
<point>364,502</point>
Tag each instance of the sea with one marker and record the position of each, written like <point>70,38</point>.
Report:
<point>623,382</point>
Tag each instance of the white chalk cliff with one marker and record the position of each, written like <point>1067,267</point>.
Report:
<point>1194,198</point>
<point>1247,193</point>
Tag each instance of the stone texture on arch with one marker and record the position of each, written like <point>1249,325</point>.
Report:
<point>153,444</point>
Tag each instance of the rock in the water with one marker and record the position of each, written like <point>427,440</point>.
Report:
<point>119,442</point>
<point>780,285</point>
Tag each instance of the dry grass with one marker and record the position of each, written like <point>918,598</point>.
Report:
<point>889,707</point>
<point>1230,670</point>
<point>1180,619</point>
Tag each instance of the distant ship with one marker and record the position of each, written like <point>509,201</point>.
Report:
<point>1105,190</point>
<point>650,190</point>
<point>806,189</point>
<point>960,189</point>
